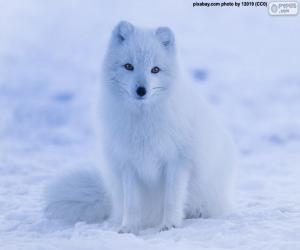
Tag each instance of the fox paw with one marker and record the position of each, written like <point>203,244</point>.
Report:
<point>128,230</point>
<point>166,227</point>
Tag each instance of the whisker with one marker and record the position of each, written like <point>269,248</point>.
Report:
<point>120,87</point>
<point>161,88</point>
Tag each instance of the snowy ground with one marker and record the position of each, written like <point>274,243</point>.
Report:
<point>247,64</point>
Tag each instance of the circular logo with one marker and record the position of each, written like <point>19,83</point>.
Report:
<point>274,8</point>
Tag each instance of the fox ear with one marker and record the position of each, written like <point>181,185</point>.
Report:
<point>122,31</point>
<point>165,36</point>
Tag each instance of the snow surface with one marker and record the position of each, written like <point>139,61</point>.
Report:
<point>247,64</point>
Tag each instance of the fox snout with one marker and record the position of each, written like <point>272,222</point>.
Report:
<point>141,92</point>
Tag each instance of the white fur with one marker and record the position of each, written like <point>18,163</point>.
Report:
<point>167,156</point>
<point>78,196</point>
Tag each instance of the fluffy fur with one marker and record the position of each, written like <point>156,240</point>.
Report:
<point>167,156</point>
<point>78,196</point>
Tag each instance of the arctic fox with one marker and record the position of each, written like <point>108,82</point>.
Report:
<point>167,156</point>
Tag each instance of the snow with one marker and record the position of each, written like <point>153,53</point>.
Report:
<point>247,64</point>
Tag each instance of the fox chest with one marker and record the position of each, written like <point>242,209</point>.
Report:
<point>147,151</point>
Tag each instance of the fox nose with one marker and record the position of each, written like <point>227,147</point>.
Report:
<point>141,91</point>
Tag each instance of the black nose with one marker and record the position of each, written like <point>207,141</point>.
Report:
<point>141,91</point>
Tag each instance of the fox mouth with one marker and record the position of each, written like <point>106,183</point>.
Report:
<point>140,98</point>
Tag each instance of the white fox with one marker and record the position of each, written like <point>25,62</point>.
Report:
<point>167,156</point>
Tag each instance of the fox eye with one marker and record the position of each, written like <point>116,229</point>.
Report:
<point>155,70</point>
<point>129,66</point>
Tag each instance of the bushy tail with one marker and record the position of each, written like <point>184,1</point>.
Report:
<point>78,196</point>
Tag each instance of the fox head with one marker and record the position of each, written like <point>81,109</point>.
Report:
<point>140,65</point>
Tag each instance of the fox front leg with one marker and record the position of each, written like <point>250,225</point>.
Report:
<point>131,220</point>
<point>176,180</point>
